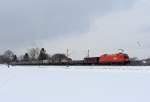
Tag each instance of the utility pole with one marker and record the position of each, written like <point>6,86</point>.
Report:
<point>67,52</point>
<point>88,54</point>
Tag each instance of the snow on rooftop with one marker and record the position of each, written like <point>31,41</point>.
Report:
<point>74,84</point>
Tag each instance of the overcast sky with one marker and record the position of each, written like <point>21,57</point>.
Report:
<point>103,26</point>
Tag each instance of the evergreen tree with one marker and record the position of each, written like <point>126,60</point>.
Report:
<point>26,57</point>
<point>42,55</point>
<point>14,58</point>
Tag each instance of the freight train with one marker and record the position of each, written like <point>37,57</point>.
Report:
<point>108,59</point>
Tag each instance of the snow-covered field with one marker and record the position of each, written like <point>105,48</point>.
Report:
<point>74,84</point>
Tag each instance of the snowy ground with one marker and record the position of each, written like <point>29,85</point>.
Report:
<point>74,84</point>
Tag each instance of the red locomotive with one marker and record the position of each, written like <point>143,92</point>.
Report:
<point>119,58</point>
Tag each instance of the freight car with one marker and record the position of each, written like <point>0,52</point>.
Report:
<point>91,60</point>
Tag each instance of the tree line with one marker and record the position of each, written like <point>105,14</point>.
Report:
<point>33,54</point>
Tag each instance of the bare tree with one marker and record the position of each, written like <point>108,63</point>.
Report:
<point>1,59</point>
<point>134,59</point>
<point>8,56</point>
<point>34,53</point>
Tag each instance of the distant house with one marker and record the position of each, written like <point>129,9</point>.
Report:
<point>60,58</point>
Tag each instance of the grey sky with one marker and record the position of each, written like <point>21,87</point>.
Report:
<point>47,23</point>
